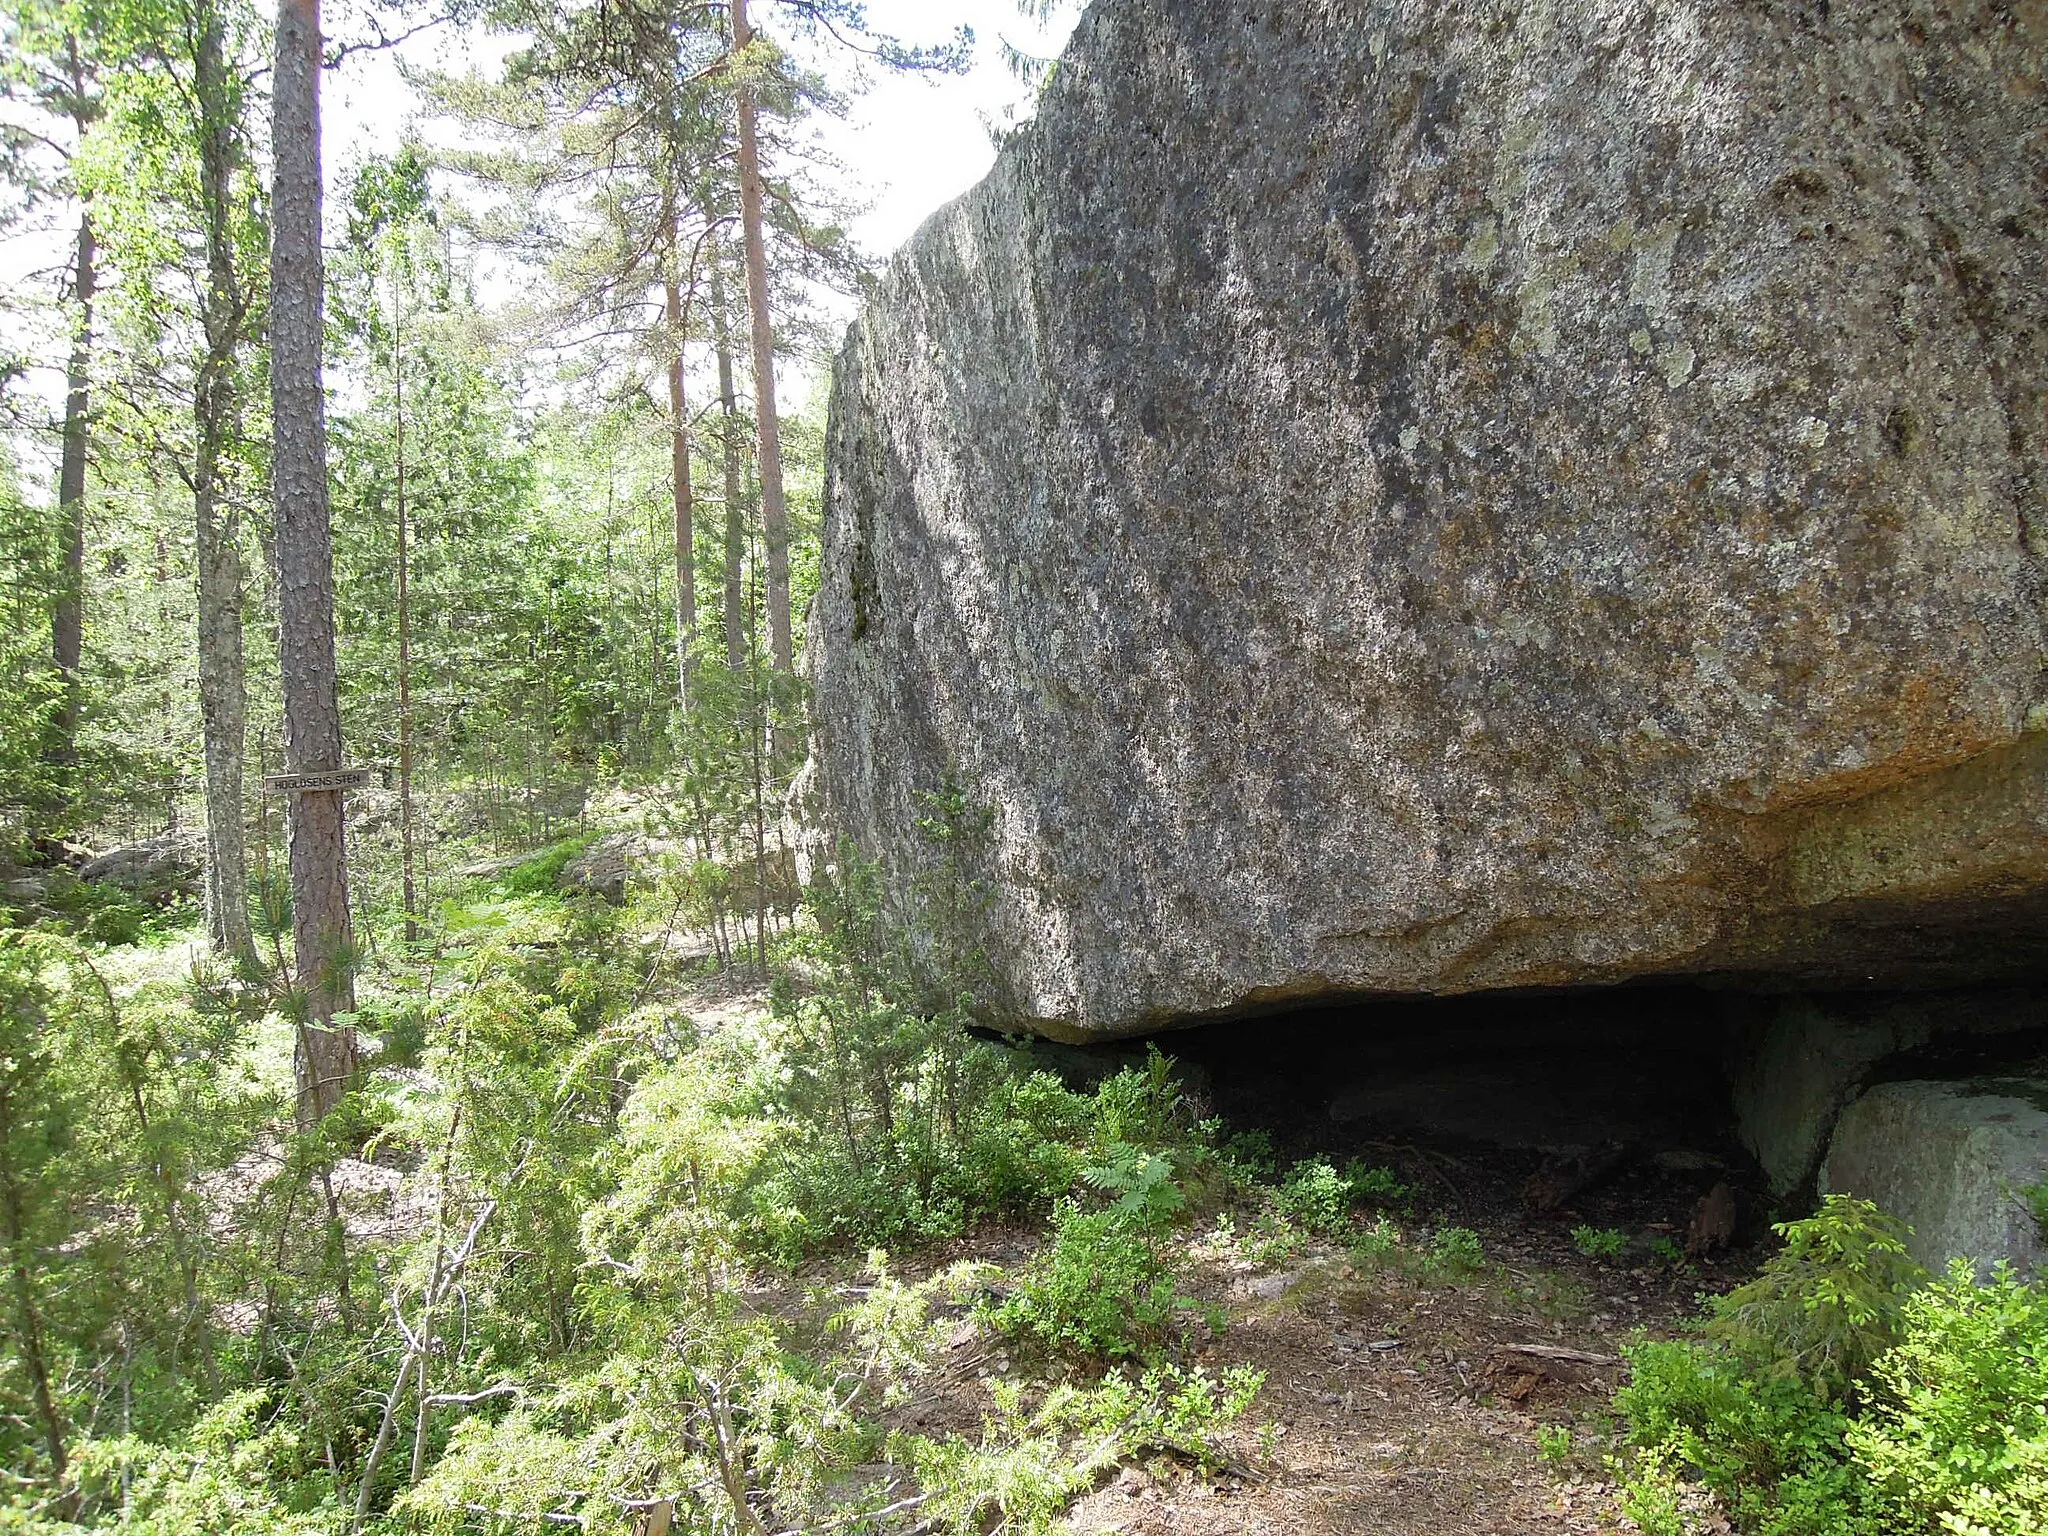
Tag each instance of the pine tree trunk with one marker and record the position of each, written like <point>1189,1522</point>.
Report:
<point>216,410</point>
<point>735,509</point>
<point>67,614</point>
<point>679,479</point>
<point>321,930</point>
<point>223,689</point>
<point>768,426</point>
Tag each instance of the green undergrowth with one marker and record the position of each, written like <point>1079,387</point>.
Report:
<point>1844,1393</point>
<point>563,1256</point>
<point>104,913</point>
<point>1108,1286</point>
<point>1326,1203</point>
<point>1027,1466</point>
<point>1364,1209</point>
<point>1600,1242</point>
<point>561,1253</point>
<point>542,873</point>
<point>903,1127</point>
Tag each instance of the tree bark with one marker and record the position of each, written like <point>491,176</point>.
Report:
<point>409,892</point>
<point>768,426</point>
<point>216,412</point>
<point>729,443</point>
<point>685,510</point>
<point>321,930</point>
<point>67,615</point>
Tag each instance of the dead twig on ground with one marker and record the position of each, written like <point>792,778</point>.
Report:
<point>1559,1353</point>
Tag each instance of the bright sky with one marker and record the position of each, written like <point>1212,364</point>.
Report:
<point>911,144</point>
<point>918,141</point>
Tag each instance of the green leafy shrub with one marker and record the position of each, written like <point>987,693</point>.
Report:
<point>1102,1290</point>
<point>911,1129</point>
<point>1956,1438</point>
<point>1272,1240</point>
<point>1668,1249</point>
<point>1147,1199</point>
<point>1772,1449</point>
<point>1837,1395</point>
<point>1025,1148</point>
<point>1456,1253</point>
<point>1554,1443</point>
<point>114,1098</point>
<point>1014,1479</point>
<point>1760,1407</point>
<point>1317,1198</point>
<point>1143,1105</point>
<point>1250,1157</point>
<point>401,1024</point>
<point>115,922</point>
<point>1105,1288</point>
<point>914,1129</point>
<point>1012,1146</point>
<point>108,914</point>
<point>1650,1498</point>
<point>240,1471</point>
<point>1322,1201</point>
<point>541,875</point>
<point>1377,1243</point>
<point>1168,1409</point>
<point>1377,1186</point>
<point>1600,1242</point>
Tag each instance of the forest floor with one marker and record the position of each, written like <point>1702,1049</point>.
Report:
<point>1397,1401</point>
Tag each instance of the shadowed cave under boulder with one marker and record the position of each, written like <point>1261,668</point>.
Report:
<point>1663,1090</point>
<point>1524,1072</point>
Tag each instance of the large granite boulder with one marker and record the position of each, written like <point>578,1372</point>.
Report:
<point>604,868</point>
<point>1960,1163</point>
<point>159,866</point>
<point>1795,1063</point>
<point>1400,497</point>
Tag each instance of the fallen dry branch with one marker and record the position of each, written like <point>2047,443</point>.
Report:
<point>1558,1183</point>
<point>1559,1353</point>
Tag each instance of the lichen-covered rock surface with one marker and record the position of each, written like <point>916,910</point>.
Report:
<point>1795,1063</point>
<point>1407,497</point>
<point>1957,1162</point>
